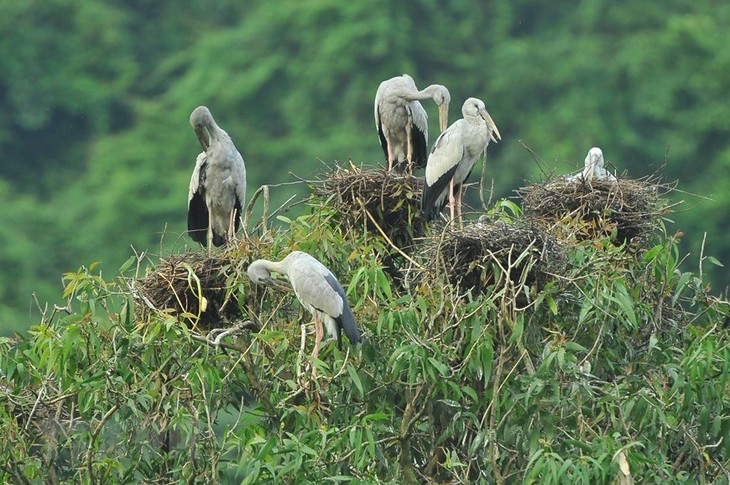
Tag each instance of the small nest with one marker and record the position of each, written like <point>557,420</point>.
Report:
<point>469,255</point>
<point>377,200</point>
<point>624,210</point>
<point>182,281</point>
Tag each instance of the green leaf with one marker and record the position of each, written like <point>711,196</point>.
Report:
<point>704,423</point>
<point>441,368</point>
<point>127,264</point>
<point>265,450</point>
<point>552,304</point>
<point>516,334</point>
<point>627,305</point>
<point>681,284</point>
<point>375,417</point>
<point>384,285</point>
<point>653,252</point>
<point>356,380</point>
<point>575,346</point>
<point>253,473</point>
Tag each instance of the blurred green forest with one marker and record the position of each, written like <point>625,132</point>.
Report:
<point>95,98</point>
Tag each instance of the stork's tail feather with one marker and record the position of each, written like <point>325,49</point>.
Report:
<point>218,240</point>
<point>432,202</point>
<point>198,235</point>
<point>346,322</point>
<point>429,207</point>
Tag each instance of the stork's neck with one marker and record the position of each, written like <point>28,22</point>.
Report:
<point>429,92</point>
<point>219,134</point>
<point>274,266</point>
<point>475,120</point>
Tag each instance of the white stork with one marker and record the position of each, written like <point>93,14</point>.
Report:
<point>217,190</point>
<point>402,123</point>
<point>318,291</point>
<point>593,168</point>
<point>453,157</point>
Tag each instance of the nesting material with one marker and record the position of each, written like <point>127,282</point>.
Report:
<point>41,412</point>
<point>194,287</point>
<point>376,200</point>
<point>624,210</point>
<point>469,256</point>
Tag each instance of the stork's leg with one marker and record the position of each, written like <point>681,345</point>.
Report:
<point>210,230</point>
<point>458,206</point>
<point>390,153</point>
<point>232,225</point>
<point>451,201</point>
<point>318,335</point>
<point>409,150</point>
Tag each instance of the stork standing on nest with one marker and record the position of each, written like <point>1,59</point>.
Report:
<point>217,190</point>
<point>402,123</point>
<point>318,291</point>
<point>453,157</point>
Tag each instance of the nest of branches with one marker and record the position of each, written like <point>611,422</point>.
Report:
<point>41,410</point>
<point>624,210</point>
<point>195,286</point>
<point>384,202</point>
<point>527,254</point>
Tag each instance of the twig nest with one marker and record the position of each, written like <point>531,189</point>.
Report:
<point>376,200</point>
<point>472,256</point>
<point>193,286</point>
<point>623,210</point>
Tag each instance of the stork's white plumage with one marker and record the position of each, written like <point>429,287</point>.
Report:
<point>217,191</point>
<point>317,289</point>
<point>453,157</point>
<point>402,123</point>
<point>593,168</point>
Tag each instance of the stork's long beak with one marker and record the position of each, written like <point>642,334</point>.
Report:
<point>492,128</point>
<point>200,132</point>
<point>443,117</point>
<point>280,285</point>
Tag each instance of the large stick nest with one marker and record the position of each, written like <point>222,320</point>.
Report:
<point>624,210</point>
<point>376,200</point>
<point>194,286</point>
<point>470,256</point>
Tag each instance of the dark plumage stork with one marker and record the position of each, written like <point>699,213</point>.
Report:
<point>402,123</point>
<point>217,190</point>
<point>318,291</point>
<point>453,157</point>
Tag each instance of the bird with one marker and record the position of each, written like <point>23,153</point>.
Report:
<point>317,290</point>
<point>593,168</point>
<point>217,191</point>
<point>402,123</point>
<point>453,157</point>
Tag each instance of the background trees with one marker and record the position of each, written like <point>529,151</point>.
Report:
<point>95,99</point>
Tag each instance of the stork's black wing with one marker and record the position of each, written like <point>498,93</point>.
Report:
<point>420,147</point>
<point>197,209</point>
<point>346,320</point>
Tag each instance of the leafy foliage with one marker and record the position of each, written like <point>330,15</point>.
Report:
<point>617,366</point>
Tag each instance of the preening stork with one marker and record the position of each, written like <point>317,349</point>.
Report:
<point>402,123</point>
<point>593,168</point>
<point>318,291</point>
<point>217,190</point>
<point>453,157</point>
